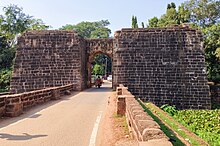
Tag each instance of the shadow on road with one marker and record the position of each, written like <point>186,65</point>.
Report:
<point>106,87</point>
<point>101,89</point>
<point>25,136</point>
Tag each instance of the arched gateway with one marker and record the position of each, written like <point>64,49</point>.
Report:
<point>162,65</point>
<point>97,46</point>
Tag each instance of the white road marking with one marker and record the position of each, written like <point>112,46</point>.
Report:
<point>95,130</point>
<point>19,121</point>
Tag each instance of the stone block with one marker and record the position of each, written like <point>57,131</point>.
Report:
<point>152,134</point>
<point>143,124</point>
<point>55,94</point>
<point>121,106</point>
<point>156,142</point>
<point>13,110</point>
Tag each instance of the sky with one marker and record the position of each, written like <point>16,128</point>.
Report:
<point>57,13</point>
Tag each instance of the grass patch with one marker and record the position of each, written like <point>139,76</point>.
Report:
<point>122,122</point>
<point>204,123</point>
<point>175,126</point>
<point>169,133</point>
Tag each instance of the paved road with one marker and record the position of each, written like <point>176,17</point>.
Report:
<point>71,121</point>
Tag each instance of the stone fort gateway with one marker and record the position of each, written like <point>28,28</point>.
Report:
<point>161,65</point>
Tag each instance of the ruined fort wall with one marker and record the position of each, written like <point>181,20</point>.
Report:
<point>47,59</point>
<point>162,65</point>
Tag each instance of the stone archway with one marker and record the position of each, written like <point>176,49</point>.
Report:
<point>95,47</point>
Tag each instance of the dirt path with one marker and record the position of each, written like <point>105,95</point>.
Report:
<point>114,130</point>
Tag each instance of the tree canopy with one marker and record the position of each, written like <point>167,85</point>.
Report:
<point>134,22</point>
<point>13,22</point>
<point>97,29</point>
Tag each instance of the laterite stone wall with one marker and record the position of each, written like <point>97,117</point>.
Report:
<point>49,58</point>
<point>162,65</point>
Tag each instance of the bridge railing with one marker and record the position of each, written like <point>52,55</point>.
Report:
<point>142,126</point>
<point>14,104</point>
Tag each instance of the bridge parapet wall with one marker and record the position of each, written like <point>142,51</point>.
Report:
<point>14,104</point>
<point>142,126</point>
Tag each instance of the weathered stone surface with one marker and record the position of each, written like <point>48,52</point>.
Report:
<point>162,65</point>
<point>55,94</point>
<point>48,59</point>
<point>13,110</point>
<point>152,134</point>
<point>143,116</point>
<point>13,105</point>
<point>121,106</point>
<point>143,124</point>
<point>156,142</point>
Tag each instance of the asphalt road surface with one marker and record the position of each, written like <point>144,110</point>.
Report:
<point>71,121</point>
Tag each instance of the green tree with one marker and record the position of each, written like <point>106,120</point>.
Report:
<point>7,53</point>
<point>217,53</point>
<point>13,23</point>
<point>134,22</point>
<point>97,29</point>
<point>203,12</point>
<point>153,22</point>
<point>183,14</point>
<point>212,43</point>
<point>142,23</point>
<point>100,59</point>
<point>171,16</point>
<point>98,69</point>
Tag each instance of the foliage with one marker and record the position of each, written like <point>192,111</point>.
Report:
<point>183,14</point>
<point>5,75</point>
<point>171,17</point>
<point>13,23</point>
<point>171,110</point>
<point>215,106</point>
<point>134,22</point>
<point>100,59</point>
<point>97,29</point>
<point>204,123</point>
<point>212,43</point>
<point>174,125</point>
<point>98,69</point>
<point>203,12</point>
<point>153,22</point>
<point>142,24</point>
<point>217,53</point>
<point>7,53</point>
